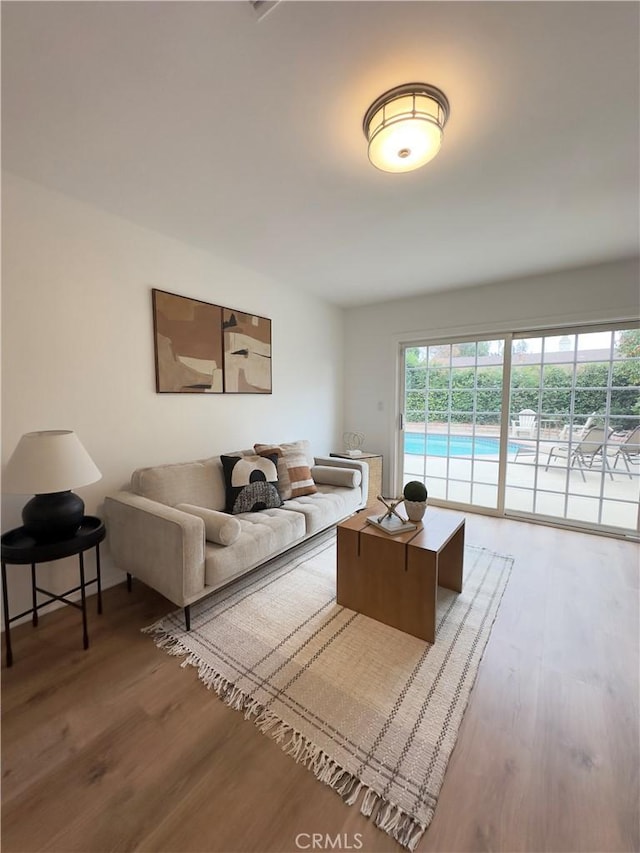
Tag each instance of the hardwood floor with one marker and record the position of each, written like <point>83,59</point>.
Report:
<point>120,749</point>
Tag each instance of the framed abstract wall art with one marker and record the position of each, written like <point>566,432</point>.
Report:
<point>247,353</point>
<point>188,345</point>
<point>202,348</point>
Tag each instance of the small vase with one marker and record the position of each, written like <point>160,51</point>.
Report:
<point>415,509</point>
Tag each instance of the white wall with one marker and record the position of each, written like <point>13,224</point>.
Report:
<point>599,293</point>
<point>77,352</point>
<point>77,346</point>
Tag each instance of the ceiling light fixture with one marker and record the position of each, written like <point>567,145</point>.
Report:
<point>404,127</point>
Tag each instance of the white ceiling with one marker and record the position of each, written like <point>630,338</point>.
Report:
<point>244,137</point>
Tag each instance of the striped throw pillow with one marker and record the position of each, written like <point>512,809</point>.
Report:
<point>294,473</point>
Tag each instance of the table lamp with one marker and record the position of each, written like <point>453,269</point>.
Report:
<point>48,464</point>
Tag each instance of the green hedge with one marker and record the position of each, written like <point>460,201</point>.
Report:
<point>478,395</point>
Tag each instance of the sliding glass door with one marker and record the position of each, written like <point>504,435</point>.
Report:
<point>452,421</point>
<point>579,455</point>
<point>541,425</point>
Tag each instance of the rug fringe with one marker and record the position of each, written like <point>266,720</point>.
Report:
<point>369,802</point>
<point>387,816</point>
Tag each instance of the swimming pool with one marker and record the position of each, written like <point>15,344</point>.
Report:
<point>437,444</point>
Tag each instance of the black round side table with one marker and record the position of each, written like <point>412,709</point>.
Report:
<point>21,549</point>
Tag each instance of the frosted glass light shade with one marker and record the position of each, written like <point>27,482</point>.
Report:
<point>49,461</point>
<point>404,127</point>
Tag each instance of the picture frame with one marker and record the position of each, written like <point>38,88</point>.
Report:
<point>247,352</point>
<point>188,344</point>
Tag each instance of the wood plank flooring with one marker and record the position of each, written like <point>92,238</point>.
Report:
<point>120,749</point>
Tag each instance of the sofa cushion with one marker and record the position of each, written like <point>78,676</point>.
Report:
<point>329,505</point>
<point>219,527</point>
<point>250,483</point>
<point>294,472</point>
<point>200,483</point>
<point>263,535</point>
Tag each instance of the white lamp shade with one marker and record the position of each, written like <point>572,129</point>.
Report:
<point>49,461</point>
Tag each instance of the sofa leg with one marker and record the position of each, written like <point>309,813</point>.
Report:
<point>187,617</point>
<point>129,580</point>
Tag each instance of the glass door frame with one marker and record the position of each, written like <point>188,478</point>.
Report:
<point>508,337</point>
<point>398,461</point>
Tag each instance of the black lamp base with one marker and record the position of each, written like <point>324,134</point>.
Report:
<point>54,517</point>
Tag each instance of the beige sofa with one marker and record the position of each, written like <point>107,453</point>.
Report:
<point>169,529</point>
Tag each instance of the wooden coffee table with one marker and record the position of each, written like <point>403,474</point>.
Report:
<point>395,579</point>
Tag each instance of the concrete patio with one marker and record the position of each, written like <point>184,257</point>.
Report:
<point>608,497</point>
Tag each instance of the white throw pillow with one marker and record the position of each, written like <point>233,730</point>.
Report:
<point>221,528</point>
<point>330,476</point>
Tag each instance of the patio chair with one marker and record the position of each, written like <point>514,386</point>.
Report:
<point>578,431</point>
<point>584,452</point>
<point>628,450</point>
<point>525,425</point>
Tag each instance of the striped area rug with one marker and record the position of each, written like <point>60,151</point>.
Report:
<point>371,711</point>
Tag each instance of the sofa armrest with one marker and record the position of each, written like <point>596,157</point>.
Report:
<point>160,545</point>
<point>358,464</point>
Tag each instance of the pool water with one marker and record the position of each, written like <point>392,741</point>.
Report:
<point>436,444</point>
